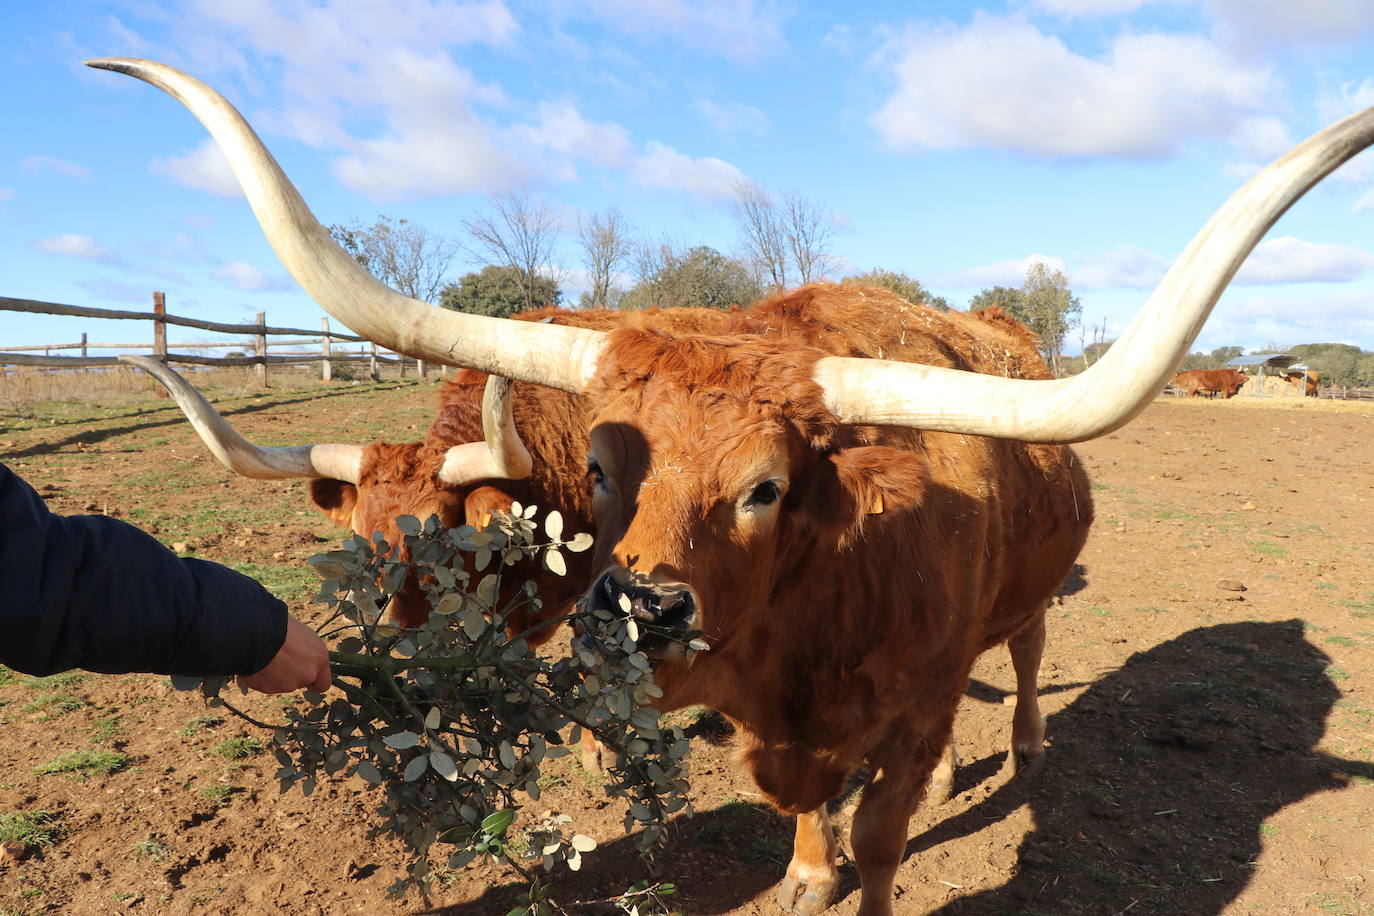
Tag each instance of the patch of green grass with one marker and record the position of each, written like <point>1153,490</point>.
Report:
<point>151,848</point>
<point>1172,514</point>
<point>106,730</point>
<point>1267,548</point>
<point>32,828</point>
<point>1343,641</point>
<point>88,763</point>
<point>1337,673</point>
<point>283,581</point>
<point>218,794</point>
<point>238,748</point>
<point>6,676</point>
<point>53,705</point>
<point>56,681</point>
<point>199,723</point>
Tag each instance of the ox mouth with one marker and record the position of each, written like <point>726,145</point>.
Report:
<point>663,614</point>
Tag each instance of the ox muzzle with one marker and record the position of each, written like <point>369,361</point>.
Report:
<point>665,612</point>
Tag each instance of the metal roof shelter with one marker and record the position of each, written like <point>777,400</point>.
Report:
<point>1272,360</point>
<point>1278,361</point>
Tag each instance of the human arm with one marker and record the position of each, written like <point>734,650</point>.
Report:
<point>96,593</point>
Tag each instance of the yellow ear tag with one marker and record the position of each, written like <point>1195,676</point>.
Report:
<point>877,507</point>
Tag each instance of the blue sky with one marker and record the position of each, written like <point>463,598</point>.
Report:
<point>954,142</point>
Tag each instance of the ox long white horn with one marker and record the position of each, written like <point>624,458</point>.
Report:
<point>1135,369</point>
<point>554,355</point>
<point>502,455</point>
<point>341,462</point>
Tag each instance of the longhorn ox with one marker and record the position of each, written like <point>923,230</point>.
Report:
<point>851,509</point>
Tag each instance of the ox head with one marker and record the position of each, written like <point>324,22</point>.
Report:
<point>718,474</point>
<point>751,489</point>
<point>365,488</point>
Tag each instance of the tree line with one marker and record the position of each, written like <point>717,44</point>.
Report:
<point>784,240</point>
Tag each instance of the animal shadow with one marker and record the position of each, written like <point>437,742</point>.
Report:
<point>1161,776</point>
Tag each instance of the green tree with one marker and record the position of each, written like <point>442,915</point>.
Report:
<point>1050,309</point>
<point>907,287</point>
<point>498,292</point>
<point>1007,298</point>
<point>698,277</point>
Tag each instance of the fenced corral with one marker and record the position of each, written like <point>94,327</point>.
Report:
<point>325,348</point>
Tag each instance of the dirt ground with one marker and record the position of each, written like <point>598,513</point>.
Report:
<point>1209,684</point>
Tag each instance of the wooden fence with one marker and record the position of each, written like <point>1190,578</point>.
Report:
<point>326,355</point>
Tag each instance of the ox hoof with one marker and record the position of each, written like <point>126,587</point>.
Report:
<point>796,895</point>
<point>1022,762</point>
<point>596,757</point>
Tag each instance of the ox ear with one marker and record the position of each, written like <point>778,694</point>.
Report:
<point>482,503</point>
<point>876,479</point>
<point>335,498</point>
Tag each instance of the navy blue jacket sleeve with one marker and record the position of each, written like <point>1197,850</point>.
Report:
<point>96,593</point>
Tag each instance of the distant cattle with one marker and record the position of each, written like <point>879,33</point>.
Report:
<point>1226,382</point>
<point>1306,381</point>
<point>851,499</point>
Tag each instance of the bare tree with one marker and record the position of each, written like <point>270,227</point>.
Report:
<point>764,232</point>
<point>401,254</point>
<point>780,238</point>
<point>605,245</point>
<point>520,234</point>
<point>808,229</point>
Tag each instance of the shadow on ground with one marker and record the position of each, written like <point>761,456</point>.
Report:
<point>1161,776</point>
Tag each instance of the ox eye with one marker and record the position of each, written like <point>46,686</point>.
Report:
<point>765,494</point>
<point>594,471</point>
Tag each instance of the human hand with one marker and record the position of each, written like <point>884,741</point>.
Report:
<point>302,661</point>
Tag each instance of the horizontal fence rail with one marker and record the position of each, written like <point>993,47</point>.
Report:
<point>325,339</point>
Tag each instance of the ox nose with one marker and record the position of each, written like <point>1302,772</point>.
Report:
<point>664,610</point>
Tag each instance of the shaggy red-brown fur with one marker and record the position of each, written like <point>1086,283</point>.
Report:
<point>402,479</point>
<point>1225,381</point>
<point>843,615</point>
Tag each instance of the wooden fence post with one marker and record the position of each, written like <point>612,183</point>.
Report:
<point>420,369</point>
<point>326,367</point>
<point>160,326</point>
<point>372,369</point>
<point>260,347</point>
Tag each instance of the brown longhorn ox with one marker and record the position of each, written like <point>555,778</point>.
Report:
<point>1211,381</point>
<point>1305,381</point>
<point>535,453</point>
<point>848,506</point>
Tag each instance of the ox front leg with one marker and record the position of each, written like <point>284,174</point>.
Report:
<point>812,877</point>
<point>1027,724</point>
<point>596,757</point>
<point>879,835</point>
<point>941,787</point>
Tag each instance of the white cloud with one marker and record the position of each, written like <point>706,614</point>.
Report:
<point>74,245</point>
<point>1124,267</point>
<point>740,30</point>
<point>1089,7</point>
<point>1288,24</point>
<point>202,169</point>
<point>661,166</point>
<point>565,138</point>
<point>731,119</point>
<point>45,163</point>
<point>248,278</point>
<point>1257,321</point>
<point>1290,260</point>
<point>1002,83</point>
<point>1002,273</point>
<point>1262,138</point>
